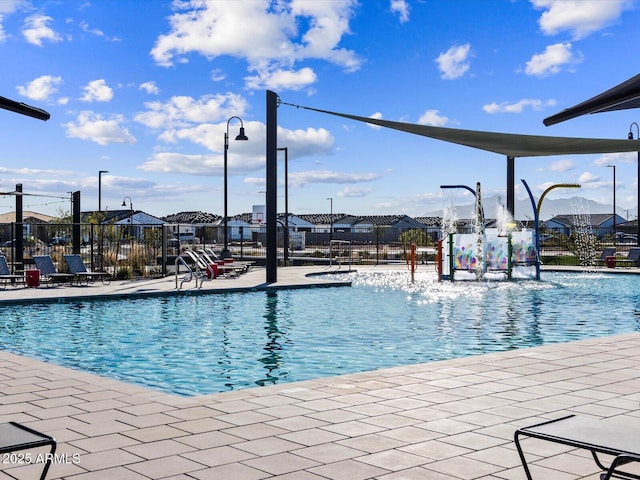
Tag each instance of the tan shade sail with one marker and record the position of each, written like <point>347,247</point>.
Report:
<point>509,144</point>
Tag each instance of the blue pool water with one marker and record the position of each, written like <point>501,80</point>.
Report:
<point>191,345</point>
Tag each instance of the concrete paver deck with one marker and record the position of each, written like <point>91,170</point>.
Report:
<point>451,419</point>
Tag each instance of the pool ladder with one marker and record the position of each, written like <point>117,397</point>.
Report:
<point>190,274</point>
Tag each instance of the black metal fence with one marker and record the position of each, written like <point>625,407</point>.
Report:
<point>150,250</point>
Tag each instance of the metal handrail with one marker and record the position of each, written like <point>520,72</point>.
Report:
<point>189,274</point>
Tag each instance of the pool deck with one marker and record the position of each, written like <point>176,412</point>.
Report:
<point>451,419</point>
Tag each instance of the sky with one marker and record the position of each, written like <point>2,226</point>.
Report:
<point>147,89</point>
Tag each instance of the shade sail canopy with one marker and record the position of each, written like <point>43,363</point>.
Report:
<point>621,97</point>
<point>509,144</point>
<point>24,109</point>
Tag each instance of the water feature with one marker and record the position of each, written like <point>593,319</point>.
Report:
<point>488,254</point>
<point>585,242</point>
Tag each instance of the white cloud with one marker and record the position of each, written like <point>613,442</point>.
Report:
<point>3,35</point>
<point>10,6</point>
<point>40,88</point>
<point>299,179</point>
<point>243,157</point>
<point>282,79</point>
<point>150,87</point>
<point>184,111</point>
<point>588,177</point>
<point>561,166</point>
<point>97,32</point>
<point>517,107</point>
<point>401,8</point>
<point>580,17</point>
<point>97,91</point>
<point>36,30</point>
<point>91,126</point>
<point>432,118</point>
<point>454,62</point>
<point>270,41</point>
<point>613,158</point>
<point>353,192</point>
<point>551,60</point>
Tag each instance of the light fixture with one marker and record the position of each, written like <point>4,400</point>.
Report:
<point>241,136</point>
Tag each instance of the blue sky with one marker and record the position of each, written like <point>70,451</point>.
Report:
<point>146,89</point>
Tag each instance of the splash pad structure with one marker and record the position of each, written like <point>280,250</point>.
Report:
<point>501,253</point>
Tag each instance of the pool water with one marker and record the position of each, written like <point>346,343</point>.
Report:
<point>191,345</point>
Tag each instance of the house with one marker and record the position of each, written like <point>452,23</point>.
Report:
<point>32,225</point>
<point>320,222</point>
<point>137,220</point>
<point>193,225</point>
<point>239,227</point>
<point>601,224</point>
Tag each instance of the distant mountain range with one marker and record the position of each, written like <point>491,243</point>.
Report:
<point>550,208</point>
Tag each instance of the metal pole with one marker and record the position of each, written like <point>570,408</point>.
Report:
<point>511,196</point>
<point>225,250</point>
<point>100,172</point>
<point>615,240</point>
<point>286,204</point>
<point>272,186</point>
<point>638,183</point>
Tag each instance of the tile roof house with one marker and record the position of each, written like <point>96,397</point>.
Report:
<point>601,223</point>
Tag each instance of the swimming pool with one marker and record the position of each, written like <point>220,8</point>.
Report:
<point>191,345</point>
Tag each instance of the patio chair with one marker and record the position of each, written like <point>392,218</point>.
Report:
<point>230,267</point>
<point>606,252</point>
<point>633,258</point>
<point>6,276</point>
<point>617,437</point>
<point>243,266</point>
<point>15,437</point>
<point>77,267</point>
<point>48,271</point>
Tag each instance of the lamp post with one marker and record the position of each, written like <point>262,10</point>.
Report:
<point>637,181</point>
<point>100,219</point>
<point>241,136</point>
<point>286,204</point>
<point>124,204</point>
<point>100,172</point>
<point>331,218</point>
<point>615,239</point>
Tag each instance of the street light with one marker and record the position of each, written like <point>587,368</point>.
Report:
<point>331,218</point>
<point>286,204</point>
<point>614,204</point>
<point>637,181</point>
<point>100,172</point>
<point>241,136</point>
<point>124,204</point>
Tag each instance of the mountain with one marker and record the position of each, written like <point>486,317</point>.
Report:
<point>550,208</point>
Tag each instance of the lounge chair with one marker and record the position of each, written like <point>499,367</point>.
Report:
<point>6,276</point>
<point>15,437</point>
<point>232,269</point>
<point>606,252</point>
<point>632,260</point>
<point>48,272</point>
<point>77,267</point>
<point>614,436</point>
<point>243,266</point>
